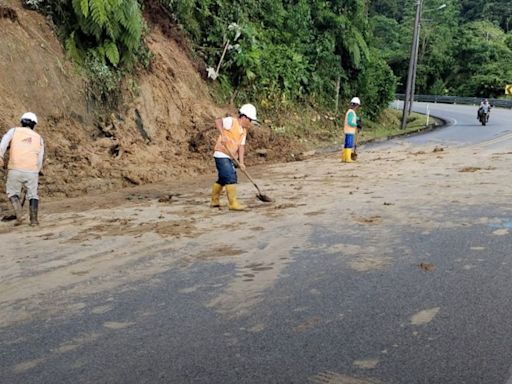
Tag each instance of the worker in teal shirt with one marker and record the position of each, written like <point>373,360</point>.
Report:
<point>349,129</point>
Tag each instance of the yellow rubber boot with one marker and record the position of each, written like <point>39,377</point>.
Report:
<point>342,155</point>
<point>233,202</point>
<point>346,155</point>
<point>216,191</point>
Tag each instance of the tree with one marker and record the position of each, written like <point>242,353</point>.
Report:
<point>288,50</point>
<point>483,58</point>
<point>438,42</point>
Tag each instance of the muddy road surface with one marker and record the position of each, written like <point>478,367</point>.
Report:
<point>394,269</point>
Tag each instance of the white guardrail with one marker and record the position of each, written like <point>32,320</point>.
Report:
<point>457,100</point>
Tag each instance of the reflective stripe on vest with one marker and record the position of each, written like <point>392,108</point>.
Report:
<point>347,128</point>
<point>25,149</point>
<point>235,136</point>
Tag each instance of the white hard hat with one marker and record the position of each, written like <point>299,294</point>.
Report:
<point>355,100</point>
<point>248,110</point>
<point>29,116</point>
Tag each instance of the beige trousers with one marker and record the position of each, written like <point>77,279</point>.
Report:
<point>17,179</point>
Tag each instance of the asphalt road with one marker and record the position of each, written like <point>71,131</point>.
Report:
<point>464,128</point>
<point>319,323</point>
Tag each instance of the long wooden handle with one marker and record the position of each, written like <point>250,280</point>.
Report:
<point>238,164</point>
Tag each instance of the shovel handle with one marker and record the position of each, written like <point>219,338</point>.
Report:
<point>238,164</point>
<point>357,140</point>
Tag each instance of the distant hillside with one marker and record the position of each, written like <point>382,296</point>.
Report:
<point>465,45</point>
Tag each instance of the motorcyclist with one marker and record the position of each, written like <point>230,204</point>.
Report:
<point>485,107</point>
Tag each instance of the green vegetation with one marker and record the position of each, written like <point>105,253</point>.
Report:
<point>465,48</point>
<point>319,130</point>
<point>283,52</point>
<point>107,30</point>
<point>297,54</point>
<point>389,125</point>
<point>104,37</point>
<point>294,52</point>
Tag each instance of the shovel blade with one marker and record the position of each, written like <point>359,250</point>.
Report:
<point>263,198</point>
<point>9,218</point>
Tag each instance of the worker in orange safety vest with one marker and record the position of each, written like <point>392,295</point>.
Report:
<point>26,156</point>
<point>351,124</point>
<point>231,144</point>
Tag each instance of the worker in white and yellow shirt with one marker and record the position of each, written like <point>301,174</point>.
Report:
<point>231,144</point>
<point>349,129</point>
<point>26,156</point>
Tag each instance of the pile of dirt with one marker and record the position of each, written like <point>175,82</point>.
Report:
<point>164,132</point>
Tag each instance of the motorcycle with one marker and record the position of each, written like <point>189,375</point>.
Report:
<point>483,117</point>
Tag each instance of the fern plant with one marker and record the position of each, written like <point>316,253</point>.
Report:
<point>110,30</point>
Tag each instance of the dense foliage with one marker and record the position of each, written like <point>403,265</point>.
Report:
<point>283,52</point>
<point>103,36</point>
<point>289,51</point>
<point>465,48</point>
<point>107,30</point>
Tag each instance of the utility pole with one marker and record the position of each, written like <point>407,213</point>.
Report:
<point>411,86</point>
<point>415,67</point>
<point>412,65</point>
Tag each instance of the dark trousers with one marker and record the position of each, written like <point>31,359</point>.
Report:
<point>226,171</point>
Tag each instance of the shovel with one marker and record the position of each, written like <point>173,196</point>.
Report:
<point>259,195</point>
<point>353,155</point>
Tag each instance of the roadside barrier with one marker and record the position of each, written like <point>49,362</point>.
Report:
<point>456,100</point>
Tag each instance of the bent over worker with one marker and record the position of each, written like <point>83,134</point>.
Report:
<point>231,144</point>
<point>25,162</point>
<point>349,129</point>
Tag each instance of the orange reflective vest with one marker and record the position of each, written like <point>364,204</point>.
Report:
<point>26,145</point>
<point>235,136</point>
<point>348,128</point>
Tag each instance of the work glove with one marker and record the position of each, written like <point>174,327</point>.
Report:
<point>359,124</point>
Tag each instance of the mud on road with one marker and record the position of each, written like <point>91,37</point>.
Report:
<point>98,243</point>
